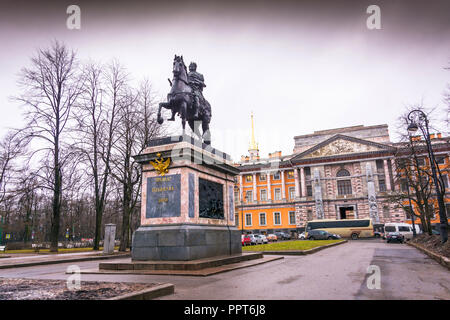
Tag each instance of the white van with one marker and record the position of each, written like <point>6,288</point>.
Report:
<point>404,228</point>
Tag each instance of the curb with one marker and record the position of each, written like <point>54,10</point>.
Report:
<point>79,259</point>
<point>148,294</point>
<point>301,252</point>
<point>444,261</point>
<point>195,273</point>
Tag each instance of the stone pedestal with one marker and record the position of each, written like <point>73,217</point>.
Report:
<point>187,211</point>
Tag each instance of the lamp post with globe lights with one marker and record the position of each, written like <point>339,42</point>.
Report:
<point>417,119</point>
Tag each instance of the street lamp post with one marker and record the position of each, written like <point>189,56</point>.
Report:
<point>414,124</point>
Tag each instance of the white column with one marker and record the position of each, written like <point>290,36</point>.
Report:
<point>269,192</point>
<point>394,172</point>
<point>283,191</point>
<point>303,180</point>
<point>387,175</point>
<point>255,196</point>
<point>297,183</point>
<point>241,187</point>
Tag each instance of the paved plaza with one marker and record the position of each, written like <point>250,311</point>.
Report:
<point>334,273</point>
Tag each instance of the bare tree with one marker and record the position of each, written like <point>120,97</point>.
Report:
<point>415,185</point>
<point>137,126</point>
<point>98,117</point>
<point>11,148</point>
<point>50,87</point>
<point>414,175</point>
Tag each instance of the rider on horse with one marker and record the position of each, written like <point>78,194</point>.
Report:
<point>186,99</point>
<point>197,83</point>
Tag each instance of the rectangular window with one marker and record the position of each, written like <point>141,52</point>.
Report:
<point>445,178</point>
<point>433,210</point>
<point>344,187</point>
<point>262,219</point>
<point>262,177</point>
<point>248,219</point>
<point>421,161</point>
<point>382,184</point>
<point>440,160</point>
<point>424,181</point>
<point>236,218</point>
<point>276,176</point>
<point>291,193</point>
<point>380,165</point>
<point>249,196</point>
<point>263,195</point>
<point>277,218</point>
<point>292,217</point>
<point>290,174</point>
<point>309,215</point>
<point>307,171</point>
<point>309,191</point>
<point>249,178</point>
<point>386,212</point>
<point>277,193</point>
<point>404,185</point>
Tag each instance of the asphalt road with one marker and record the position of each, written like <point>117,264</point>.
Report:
<point>336,273</point>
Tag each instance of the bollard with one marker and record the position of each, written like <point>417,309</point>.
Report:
<point>110,237</point>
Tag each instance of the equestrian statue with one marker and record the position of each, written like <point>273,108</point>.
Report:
<point>186,100</point>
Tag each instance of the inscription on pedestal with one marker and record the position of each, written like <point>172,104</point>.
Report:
<point>210,200</point>
<point>163,196</point>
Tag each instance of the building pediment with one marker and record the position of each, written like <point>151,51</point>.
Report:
<point>339,145</point>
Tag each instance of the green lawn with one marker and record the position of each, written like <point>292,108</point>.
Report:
<point>289,245</point>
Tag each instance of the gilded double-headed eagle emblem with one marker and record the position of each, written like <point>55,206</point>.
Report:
<point>161,165</point>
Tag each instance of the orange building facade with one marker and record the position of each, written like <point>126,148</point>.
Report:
<point>332,174</point>
<point>441,149</point>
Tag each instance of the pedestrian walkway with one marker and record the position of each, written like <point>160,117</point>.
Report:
<point>35,260</point>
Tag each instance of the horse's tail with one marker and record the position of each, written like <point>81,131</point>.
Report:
<point>160,118</point>
<point>206,111</point>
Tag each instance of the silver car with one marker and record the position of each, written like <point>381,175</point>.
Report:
<point>262,238</point>
<point>254,239</point>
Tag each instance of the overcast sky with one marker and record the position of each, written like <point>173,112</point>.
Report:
<point>299,66</point>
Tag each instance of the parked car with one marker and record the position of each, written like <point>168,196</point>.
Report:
<point>395,236</point>
<point>263,238</point>
<point>302,236</point>
<point>254,239</point>
<point>404,228</point>
<point>378,234</point>
<point>272,237</point>
<point>246,240</point>
<point>283,235</point>
<point>322,235</point>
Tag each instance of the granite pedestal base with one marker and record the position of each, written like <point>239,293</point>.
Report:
<point>184,242</point>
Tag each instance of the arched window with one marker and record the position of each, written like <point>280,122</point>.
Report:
<point>342,173</point>
<point>344,185</point>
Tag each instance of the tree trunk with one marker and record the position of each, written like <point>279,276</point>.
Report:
<point>56,206</point>
<point>125,217</point>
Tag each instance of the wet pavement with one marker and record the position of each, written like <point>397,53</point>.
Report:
<point>339,272</point>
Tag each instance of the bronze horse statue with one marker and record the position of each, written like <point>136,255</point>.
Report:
<point>181,101</point>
